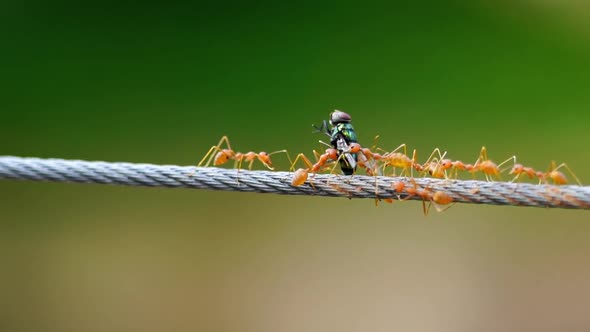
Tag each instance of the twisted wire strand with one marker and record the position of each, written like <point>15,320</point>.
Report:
<point>356,186</point>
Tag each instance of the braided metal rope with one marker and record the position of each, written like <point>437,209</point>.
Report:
<point>357,186</point>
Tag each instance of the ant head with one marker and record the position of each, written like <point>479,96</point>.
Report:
<point>516,169</point>
<point>398,186</point>
<point>339,117</point>
<point>332,154</point>
<point>355,147</point>
<point>264,158</point>
<point>446,163</point>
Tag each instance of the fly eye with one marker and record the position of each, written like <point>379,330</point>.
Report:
<point>339,116</point>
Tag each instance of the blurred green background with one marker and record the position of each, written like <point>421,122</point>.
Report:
<point>162,82</point>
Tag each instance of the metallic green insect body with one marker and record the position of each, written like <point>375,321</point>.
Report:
<point>345,130</point>
<point>341,135</point>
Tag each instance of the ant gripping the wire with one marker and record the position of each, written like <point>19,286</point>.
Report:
<point>342,134</point>
<point>455,165</point>
<point>368,159</point>
<point>224,155</point>
<point>558,177</point>
<point>401,160</point>
<point>436,199</point>
<point>552,173</point>
<point>433,165</point>
<point>487,167</point>
<point>301,174</point>
<point>519,170</point>
<point>322,161</point>
<point>330,154</point>
<point>439,166</point>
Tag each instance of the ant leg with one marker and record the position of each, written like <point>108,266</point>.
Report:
<point>217,148</point>
<point>300,175</point>
<point>440,208</point>
<point>414,157</point>
<point>238,164</point>
<point>375,142</point>
<point>416,192</point>
<point>266,159</point>
<point>483,153</point>
<point>439,163</point>
<point>250,164</point>
<point>374,167</point>
<point>316,155</point>
<point>399,188</point>
<point>262,162</point>
<point>369,169</point>
<point>383,168</point>
<point>513,158</point>
<point>432,156</point>
<point>564,165</point>
<point>404,146</point>
<point>500,171</point>
<point>282,151</point>
<point>435,202</point>
<point>306,161</point>
<point>210,155</point>
<point>336,163</point>
<point>517,177</point>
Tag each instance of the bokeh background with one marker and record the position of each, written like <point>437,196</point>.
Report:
<point>162,82</point>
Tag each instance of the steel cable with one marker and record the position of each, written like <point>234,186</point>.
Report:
<point>356,186</point>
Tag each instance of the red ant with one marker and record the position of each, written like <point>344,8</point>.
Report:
<point>558,177</point>
<point>433,165</point>
<point>455,165</point>
<point>330,154</point>
<point>368,160</point>
<point>482,164</point>
<point>400,160</point>
<point>301,174</point>
<point>224,155</point>
<point>487,167</point>
<point>520,169</point>
<point>552,174</point>
<point>435,199</point>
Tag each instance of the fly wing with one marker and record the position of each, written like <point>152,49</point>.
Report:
<point>350,160</point>
<point>344,149</point>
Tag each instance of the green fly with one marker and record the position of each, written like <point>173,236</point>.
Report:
<point>341,134</point>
